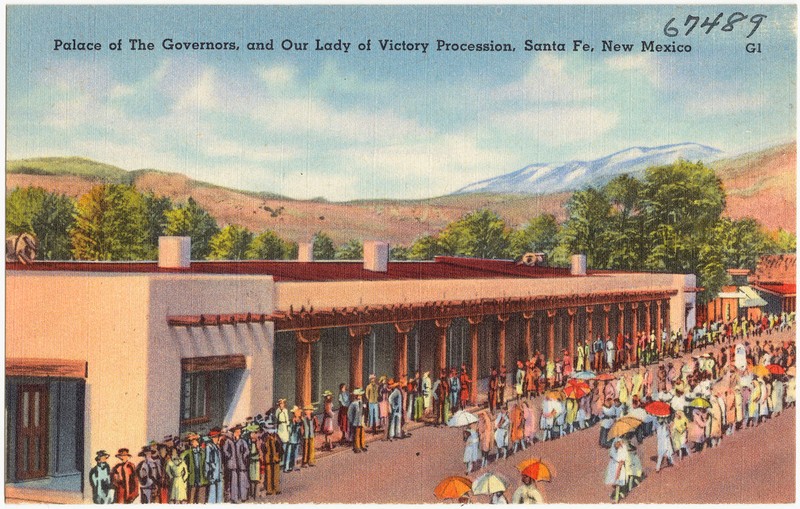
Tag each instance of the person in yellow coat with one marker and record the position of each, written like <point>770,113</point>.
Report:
<point>178,475</point>
<point>752,407</point>
<point>679,434</point>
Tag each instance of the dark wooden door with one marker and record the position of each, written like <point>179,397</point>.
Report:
<point>32,431</point>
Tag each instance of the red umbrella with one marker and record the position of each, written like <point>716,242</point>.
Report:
<point>658,408</point>
<point>775,369</point>
<point>576,389</point>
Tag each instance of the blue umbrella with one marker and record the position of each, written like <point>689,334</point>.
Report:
<point>584,375</point>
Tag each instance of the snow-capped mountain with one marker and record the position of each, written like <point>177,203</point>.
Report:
<point>548,178</point>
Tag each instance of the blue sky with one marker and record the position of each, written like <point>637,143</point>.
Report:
<point>387,124</point>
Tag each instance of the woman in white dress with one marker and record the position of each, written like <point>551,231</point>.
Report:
<point>616,475</point>
<point>471,450</point>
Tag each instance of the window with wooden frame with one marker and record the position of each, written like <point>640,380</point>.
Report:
<point>194,398</point>
<point>197,375</point>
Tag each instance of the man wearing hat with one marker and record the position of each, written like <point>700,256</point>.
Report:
<point>123,476</point>
<point>254,467</point>
<point>150,475</point>
<point>355,417</point>
<point>441,393</point>
<point>309,427</point>
<point>395,409</point>
<point>235,455</point>
<point>195,459</point>
<point>372,394</point>
<point>282,419</point>
<point>272,451</point>
<point>293,444</point>
<point>213,467</point>
<point>100,480</point>
<point>454,383</point>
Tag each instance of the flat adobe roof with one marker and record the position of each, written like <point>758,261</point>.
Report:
<point>442,267</point>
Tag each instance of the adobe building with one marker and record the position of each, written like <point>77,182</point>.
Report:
<point>775,280</point>
<point>103,355</point>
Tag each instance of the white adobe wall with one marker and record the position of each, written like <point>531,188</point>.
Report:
<point>99,318</point>
<point>207,294</point>
<point>117,322</point>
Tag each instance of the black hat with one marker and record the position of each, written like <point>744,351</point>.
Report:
<point>100,454</point>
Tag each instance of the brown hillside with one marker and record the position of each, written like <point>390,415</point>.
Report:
<point>763,185</point>
<point>760,185</point>
<point>398,222</point>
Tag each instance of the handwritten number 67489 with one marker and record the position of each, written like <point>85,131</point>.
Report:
<point>709,24</point>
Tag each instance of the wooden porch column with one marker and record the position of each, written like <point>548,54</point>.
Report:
<point>539,333</point>
<point>606,318</point>
<point>589,332</point>
<point>357,335</point>
<point>571,333</point>
<point>648,322</point>
<point>634,328</point>
<point>441,345</point>
<point>501,341</point>
<point>667,325</point>
<point>527,316</point>
<point>621,318</point>
<point>658,325</point>
<point>401,349</point>
<point>474,333</point>
<point>302,381</point>
<point>551,334</point>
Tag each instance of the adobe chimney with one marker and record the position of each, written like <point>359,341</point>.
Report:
<point>305,252</point>
<point>376,256</point>
<point>578,267</point>
<point>174,252</point>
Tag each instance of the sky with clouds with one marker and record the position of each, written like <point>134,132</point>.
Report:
<point>381,124</point>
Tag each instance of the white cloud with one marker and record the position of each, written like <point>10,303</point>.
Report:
<point>559,126</point>
<point>550,80</point>
<point>706,105</point>
<point>201,94</point>
<point>278,75</point>
<point>642,64</point>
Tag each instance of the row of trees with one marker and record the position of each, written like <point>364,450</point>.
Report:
<point>670,220</point>
<point>117,222</point>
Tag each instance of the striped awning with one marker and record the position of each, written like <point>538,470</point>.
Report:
<point>751,298</point>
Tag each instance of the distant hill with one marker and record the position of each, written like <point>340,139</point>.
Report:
<point>70,166</point>
<point>542,178</point>
<point>761,185</point>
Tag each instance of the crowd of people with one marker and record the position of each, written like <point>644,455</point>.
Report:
<point>241,462</point>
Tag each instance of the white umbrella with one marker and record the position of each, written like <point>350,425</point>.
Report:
<point>488,483</point>
<point>462,418</point>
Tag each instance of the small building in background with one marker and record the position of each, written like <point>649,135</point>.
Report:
<point>775,281</point>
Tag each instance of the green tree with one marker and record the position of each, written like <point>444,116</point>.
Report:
<point>399,253</point>
<point>269,246</point>
<point>48,216</point>
<point>681,203</point>
<point>156,208</point>
<point>540,235</point>
<point>323,247</point>
<point>741,242</point>
<point>230,243</point>
<point>110,224</point>
<point>425,248</point>
<point>626,230</point>
<point>350,250</point>
<point>479,234</point>
<point>586,229</point>
<point>189,219</point>
<point>781,241</point>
